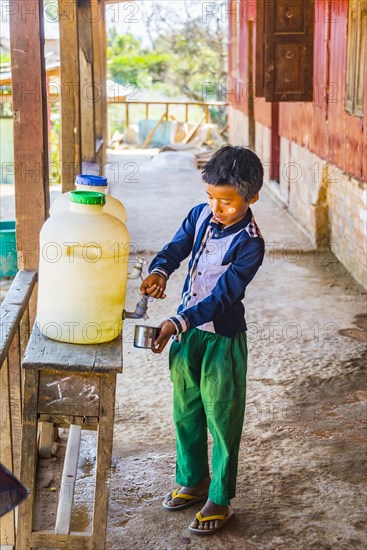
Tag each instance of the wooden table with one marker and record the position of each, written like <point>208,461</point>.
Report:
<point>73,386</point>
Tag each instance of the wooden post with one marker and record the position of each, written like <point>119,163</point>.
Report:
<point>146,110</point>
<point>7,523</point>
<point>99,73</point>
<point>28,460</point>
<point>250,73</point>
<point>207,116</point>
<point>104,456</point>
<point>187,112</point>
<point>32,197</point>
<point>15,400</point>
<point>127,115</point>
<point>70,94</point>
<point>88,138</point>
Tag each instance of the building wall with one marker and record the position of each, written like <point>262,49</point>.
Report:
<point>323,149</point>
<point>7,152</point>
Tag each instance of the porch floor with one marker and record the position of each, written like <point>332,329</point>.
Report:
<point>300,470</point>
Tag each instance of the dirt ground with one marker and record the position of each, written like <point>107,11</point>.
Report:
<point>303,451</point>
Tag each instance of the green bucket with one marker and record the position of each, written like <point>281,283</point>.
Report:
<point>8,250</point>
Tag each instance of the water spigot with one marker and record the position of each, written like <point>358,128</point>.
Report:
<point>137,269</point>
<point>140,311</point>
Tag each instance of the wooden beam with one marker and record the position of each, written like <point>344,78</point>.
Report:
<point>32,197</point>
<point>28,460</point>
<point>68,480</point>
<point>103,462</point>
<point>74,541</point>
<point>13,308</point>
<point>87,92</point>
<point>15,400</point>
<point>7,523</point>
<point>193,131</point>
<point>70,94</point>
<point>99,68</point>
<point>46,439</point>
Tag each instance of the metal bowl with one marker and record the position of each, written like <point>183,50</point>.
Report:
<point>144,336</point>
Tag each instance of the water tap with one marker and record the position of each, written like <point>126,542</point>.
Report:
<point>137,269</point>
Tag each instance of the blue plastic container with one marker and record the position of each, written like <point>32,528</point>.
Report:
<point>8,250</point>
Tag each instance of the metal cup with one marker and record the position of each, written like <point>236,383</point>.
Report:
<point>144,336</point>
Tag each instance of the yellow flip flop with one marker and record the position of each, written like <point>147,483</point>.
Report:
<point>191,499</point>
<point>223,518</point>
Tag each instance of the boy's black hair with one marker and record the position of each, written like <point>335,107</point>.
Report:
<point>236,166</point>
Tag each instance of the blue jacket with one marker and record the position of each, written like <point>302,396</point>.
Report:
<point>223,262</point>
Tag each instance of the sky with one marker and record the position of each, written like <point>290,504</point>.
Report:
<point>125,16</point>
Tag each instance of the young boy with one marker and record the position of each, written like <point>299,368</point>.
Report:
<point>208,356</point>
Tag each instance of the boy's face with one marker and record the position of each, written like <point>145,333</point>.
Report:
<point>226,204</point>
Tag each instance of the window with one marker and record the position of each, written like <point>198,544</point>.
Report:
<point>356,57</point>
<point>284,50</point>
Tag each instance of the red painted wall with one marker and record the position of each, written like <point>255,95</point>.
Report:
<point>322,126</point>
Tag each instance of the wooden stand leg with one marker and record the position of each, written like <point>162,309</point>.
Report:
<point>47,437</point>
<point>7,522</point>
<point>28,460</point>
<point>104,455</point>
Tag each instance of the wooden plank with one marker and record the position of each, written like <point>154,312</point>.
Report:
<point>70,97</point>
<point>104,456</point>
<point>259,65</point>
<point>250,72</point>
<point>88,137</point>
<point>207,115</point>
<point>32,197</point>
<point>99,72</point>
<point>44,353</point>
<point>15,401</point>
<point>63,517</point>
<point>46,439</point>
<point>69,393</point>
<point>24,329</point>
<point>21,289</point>
<point>13,308</point>
<point>74,541</point>
<point>28,460</point>
<point>87,422</point>
<point>10,316</point>
<point>7,523</point>
<point>193,131</point>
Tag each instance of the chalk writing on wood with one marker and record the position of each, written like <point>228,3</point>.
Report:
<point>75,394</point>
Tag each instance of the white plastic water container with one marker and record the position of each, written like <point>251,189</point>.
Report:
<point>82,272</point>
<point>84,182</point>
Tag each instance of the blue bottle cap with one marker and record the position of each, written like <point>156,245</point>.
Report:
<point>97,181</point>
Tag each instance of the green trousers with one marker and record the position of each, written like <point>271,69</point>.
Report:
<point>208,372</point>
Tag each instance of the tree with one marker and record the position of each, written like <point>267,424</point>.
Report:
<point>185,52</point>
<point>131,64</point>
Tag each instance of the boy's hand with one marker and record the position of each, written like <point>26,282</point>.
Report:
<point>168,329</point>
<point>154,285</point>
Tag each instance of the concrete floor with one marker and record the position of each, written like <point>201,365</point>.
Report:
<point>300,478</point>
